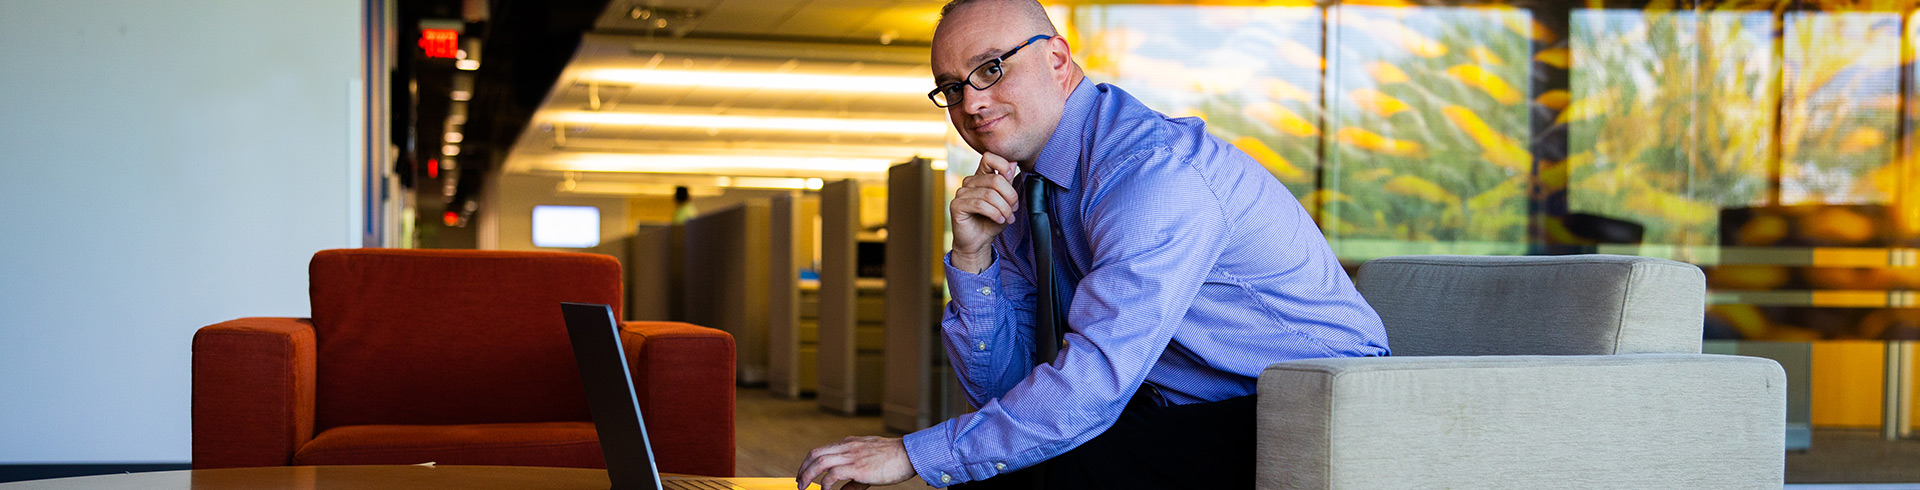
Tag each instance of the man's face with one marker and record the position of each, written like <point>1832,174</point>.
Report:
<point>1015,117</point>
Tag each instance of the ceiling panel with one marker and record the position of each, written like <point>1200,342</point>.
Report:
<point>550,143</point>
<point>749,16</point>
<point>835,19</point>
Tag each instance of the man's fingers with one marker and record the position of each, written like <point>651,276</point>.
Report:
<point>1005,188</point>
<point>808,473</point>
<point>1001,204</point>
<point>822,471</point>
<point>842,473</point>
<point>826,464</point>
<point>981,205</point>
<point>812,463</point>
<point>1001,183</point>
<point>991,163</point>
<point>984,168</point>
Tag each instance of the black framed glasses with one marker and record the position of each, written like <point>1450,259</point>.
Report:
<point>983,76</point>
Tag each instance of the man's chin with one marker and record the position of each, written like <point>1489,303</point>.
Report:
<point>1000,146</point>
<point>1013,154</point>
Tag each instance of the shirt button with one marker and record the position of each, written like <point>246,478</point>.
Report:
<point>982,346</point>
<point>986,291</point>
<point>1000,466</point>
<point>945,479</point>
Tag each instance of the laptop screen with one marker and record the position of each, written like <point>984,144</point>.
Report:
<point>610,396</point>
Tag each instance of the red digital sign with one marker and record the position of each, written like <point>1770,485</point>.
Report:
<point>440,43</point>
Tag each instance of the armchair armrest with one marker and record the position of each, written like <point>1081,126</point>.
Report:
<point>684,376</point>
<point>253,382</point>
<point>1614,421</point>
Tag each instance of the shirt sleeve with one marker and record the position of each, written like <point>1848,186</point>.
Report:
<point>1154,235</point>
<point>988,328</point>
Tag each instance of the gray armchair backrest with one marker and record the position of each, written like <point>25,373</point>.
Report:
<point>1538,305</point>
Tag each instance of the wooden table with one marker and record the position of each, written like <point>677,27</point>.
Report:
<point>362,477</point>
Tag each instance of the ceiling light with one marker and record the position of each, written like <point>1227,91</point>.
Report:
<point>768,81</point>
<point>720,164</point>
<point>699,121</point>
<point>450,150</point>
<point>768,182</point>
<point>603,143</point>
<point>455,137</point>
<point>468,65</point>
<point>462,95</point>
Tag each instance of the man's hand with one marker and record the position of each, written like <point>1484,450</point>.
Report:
<point>860,461</point>
<point>982,207</point>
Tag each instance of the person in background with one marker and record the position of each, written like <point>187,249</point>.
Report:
<point>683,209</point>
<point>1186,269</point>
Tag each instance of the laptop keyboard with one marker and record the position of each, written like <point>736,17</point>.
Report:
<point>697,485</point>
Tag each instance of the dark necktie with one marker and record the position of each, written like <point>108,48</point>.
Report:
<point>1050,321</point>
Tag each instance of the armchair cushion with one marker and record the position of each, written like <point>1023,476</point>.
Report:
<point>556,444</point>
<point>1538,305</point>
<point>1617,421</point>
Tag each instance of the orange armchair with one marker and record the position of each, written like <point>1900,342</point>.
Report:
<point>455,357</point>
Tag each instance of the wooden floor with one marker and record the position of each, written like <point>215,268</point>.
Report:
<point>772,435</point>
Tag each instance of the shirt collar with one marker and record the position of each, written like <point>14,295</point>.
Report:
<point>1059,161</point>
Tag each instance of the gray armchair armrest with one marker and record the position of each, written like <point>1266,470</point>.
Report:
<point>1615,421</point>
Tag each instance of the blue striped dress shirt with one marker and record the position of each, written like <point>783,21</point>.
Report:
<point>1188,266</point>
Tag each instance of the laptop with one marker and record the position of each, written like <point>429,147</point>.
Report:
<point>616,410</point>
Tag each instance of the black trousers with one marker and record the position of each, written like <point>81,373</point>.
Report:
<point>1202,445</point>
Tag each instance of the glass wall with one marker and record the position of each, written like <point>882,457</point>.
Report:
<point>1762,140</point>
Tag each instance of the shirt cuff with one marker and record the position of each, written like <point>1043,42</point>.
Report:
<point>931,452</point>
<point>974,294</point>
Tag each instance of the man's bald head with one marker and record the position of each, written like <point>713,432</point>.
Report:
<point>1013,106</point>
<point>1027,14</point>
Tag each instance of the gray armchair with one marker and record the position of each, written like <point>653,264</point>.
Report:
<point>1527,372</point>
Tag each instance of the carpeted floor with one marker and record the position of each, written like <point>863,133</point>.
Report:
<point>1855,456</point>
<point>775,434</point>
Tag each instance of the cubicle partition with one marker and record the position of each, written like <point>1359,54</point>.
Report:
<point>792,303</point>
<point>654,254</point>
<point>725,281</point>
<point>851,308</point>
<point>915,362</point>
<point>839,223</point>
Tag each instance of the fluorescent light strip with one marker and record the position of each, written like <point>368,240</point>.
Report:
<point>704,121</point>
<point>719,164</point>
<point>841,150</point>
<point>767,81</point>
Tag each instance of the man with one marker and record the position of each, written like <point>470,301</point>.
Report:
<point>1186,269</point>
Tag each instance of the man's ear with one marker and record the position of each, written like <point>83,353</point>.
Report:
<point>1060,58</point>
<point>1062,53</point>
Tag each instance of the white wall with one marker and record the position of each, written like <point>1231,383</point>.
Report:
<point>515,195</point>
<point>163,166</point>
